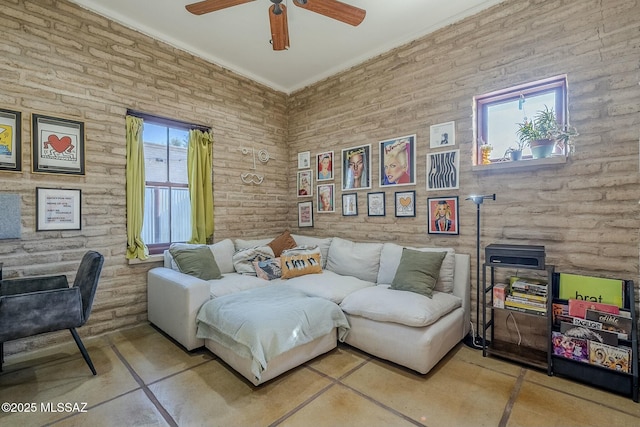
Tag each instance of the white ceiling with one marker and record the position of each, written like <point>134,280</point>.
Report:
<point>237,38</point>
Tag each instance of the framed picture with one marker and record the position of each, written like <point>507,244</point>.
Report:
<point>305,183</point>
<point>324,166</point>
<point>10,140</point>
<point>350,204</point>
<point>405,203</point>
<point>304,160</point>
<point>326,199</point>
<point>356,168</point>
<point>305,214</point>
<point>443,215</point>
<point>58,145</point>
<point>398,161</point>
<point>376,204</point>
<point>443,169</point>
<point>443,135</point>
<point>57,209</point>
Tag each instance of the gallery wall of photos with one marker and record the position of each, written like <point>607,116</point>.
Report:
<point>397,166</point>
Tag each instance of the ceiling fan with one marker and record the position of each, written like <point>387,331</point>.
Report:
<point>278,14</point>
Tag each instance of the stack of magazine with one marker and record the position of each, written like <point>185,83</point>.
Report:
<point>527,296</point>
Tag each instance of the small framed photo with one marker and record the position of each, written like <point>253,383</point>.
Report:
<point>58,209</point>
<point>443,215</point>
<point>443,135</point>
<point>398,161</point>
<point>305,214</point>
<point>10,140</point>
<point>350,204</point>
<point>304,160</point>
<point>58,145</point>
<point>305,183</point>
<point>324,166</point>
<point>376,204</point>
<point>356,168</point>
<point>326,198</point>
<point>405,203</point>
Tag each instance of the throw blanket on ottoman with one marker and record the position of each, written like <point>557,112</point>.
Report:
<point>262,323</point>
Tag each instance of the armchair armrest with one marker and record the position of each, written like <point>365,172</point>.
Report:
<point>32,284</point>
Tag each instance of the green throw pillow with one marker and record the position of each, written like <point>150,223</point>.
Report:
<point>418,271</point>
<point>197,261</point>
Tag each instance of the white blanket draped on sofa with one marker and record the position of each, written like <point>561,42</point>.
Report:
<point>262,323</point>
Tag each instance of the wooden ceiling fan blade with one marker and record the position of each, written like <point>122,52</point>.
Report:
<point>207,6</point>
<point>334,9</point>
<point>279,27</point>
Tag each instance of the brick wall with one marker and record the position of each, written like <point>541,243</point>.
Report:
<point>61,60</point>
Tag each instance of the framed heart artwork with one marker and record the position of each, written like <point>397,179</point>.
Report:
<point>405,203</point>
<point>58,145</point>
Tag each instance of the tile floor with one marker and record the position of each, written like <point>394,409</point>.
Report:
<point>145,379</point>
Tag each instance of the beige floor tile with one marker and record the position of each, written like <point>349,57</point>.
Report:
<point>131,409</point>
<point>338,361</point>
<point>340,406</point>
<point>455,393</point>
<point>153,356</point>
<point>213,395</point>
<point>539,406</point>
<point>64,380</point>
<point>474,356</point>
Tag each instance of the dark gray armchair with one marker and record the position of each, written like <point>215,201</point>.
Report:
<point>32,306</point>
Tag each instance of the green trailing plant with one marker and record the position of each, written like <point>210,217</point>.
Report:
<point>545,126</point>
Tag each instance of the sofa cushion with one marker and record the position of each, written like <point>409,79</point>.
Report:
<point>222,251</point>
<point>418,271</point>
<point>390,259</point>
<point>268,269</point>
<point>407,308</point>
<point>235,282</point>
<point>196,261</point>
<point>282,242</point>
<point>300,261</point>
<point>323,244</point>
<point>244,258</point>
<point>329,285</point>
<point>244,244</point>
<point>348,258</point>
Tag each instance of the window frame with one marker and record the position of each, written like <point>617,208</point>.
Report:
<point>481,103</point>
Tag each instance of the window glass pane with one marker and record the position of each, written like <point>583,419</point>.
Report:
<point>503,117</point>
<point>155,152</point>
<point>180,215</point>
<point>155,228</point>
<point>178,141</point>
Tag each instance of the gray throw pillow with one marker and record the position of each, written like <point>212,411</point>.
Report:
<point>418,271</point>
<point>197,261</point>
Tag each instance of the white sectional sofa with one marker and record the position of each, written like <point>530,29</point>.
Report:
<point>403,327</point>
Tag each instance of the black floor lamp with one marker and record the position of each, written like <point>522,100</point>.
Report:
<point>474,340</point>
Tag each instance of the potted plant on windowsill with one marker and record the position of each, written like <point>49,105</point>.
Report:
<point>543,133</point>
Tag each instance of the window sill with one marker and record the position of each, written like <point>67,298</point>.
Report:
<point>519,164</point>
<point>152,258</point>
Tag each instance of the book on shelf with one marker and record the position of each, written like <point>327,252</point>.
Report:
<point>577,331</point>
<point>611,322</point>
<point>587,288</point>
<point>499,295</point>
<point>529,296</point>
<point>612,357</point>
<point>524,309</point>
<point>528,286</point>
<point>578,307</point>
<point>570,347</point>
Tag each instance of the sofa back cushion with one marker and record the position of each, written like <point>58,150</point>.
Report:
<point>390,259</point>
<point>322,243</point>
<point>222,251</point>
<point>361,260</point>
<point>282,242</point>
<point>244,244</point>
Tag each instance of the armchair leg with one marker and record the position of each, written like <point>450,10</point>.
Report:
<point>83,350</point>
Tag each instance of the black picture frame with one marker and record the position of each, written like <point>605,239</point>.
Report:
<point>376,203</point>
<point>58,209</point>
<point>58,145</point>
<point>350,204</point>
<point>405,204</point>
<point>10,140</point>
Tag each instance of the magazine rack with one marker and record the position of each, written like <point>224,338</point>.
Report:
<point>602,377</point>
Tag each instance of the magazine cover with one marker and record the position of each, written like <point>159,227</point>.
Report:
<point>574,286</point>
<point>616,358</point>
<point>570,347</point>
<point>578,307</point>
<point>611,322</point>
<point>575,331</point>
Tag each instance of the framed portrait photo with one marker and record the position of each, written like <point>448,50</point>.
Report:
<point>398,161</point>
<point>405,202</point>
<point>443,170</point>
<point>356,168</point>
<point>58,145</point>
<point>443,135</point>
<point>376,204</point>
<point>304,160</point>
<point>443,215</point>
<point>305,183</point>
<point>326,198</point>
<point>57,209</point>
<point>350,204</point>
<point>324,166</point>
<point>10,140</point>
<point>305,214</point>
